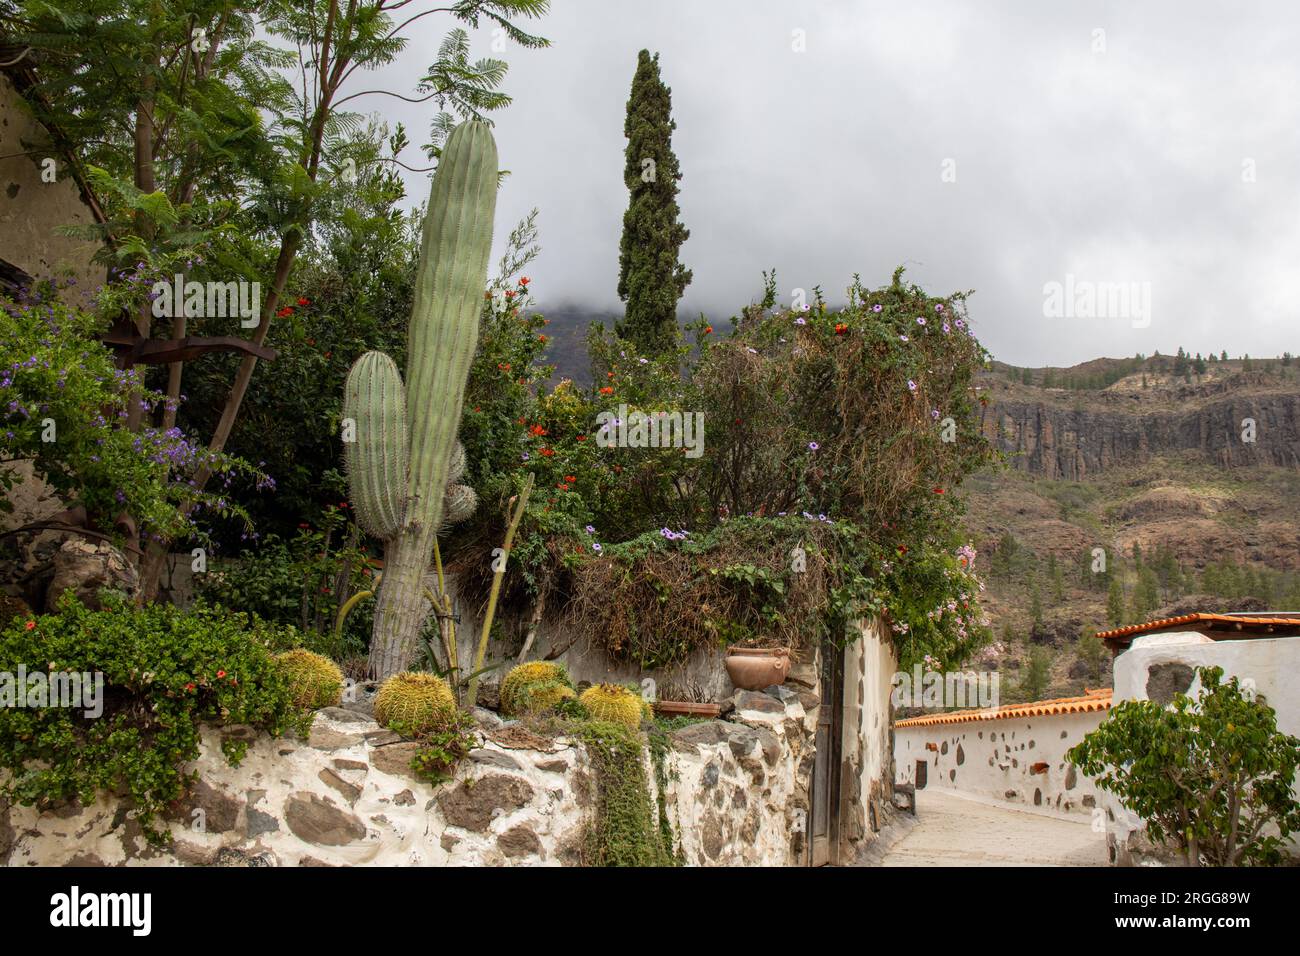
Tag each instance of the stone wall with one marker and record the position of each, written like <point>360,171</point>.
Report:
<point>346,796</point>
<point>1003,760</point>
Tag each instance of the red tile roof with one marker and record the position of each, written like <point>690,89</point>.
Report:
<point>1238,623</point>
<point>1097,699</point>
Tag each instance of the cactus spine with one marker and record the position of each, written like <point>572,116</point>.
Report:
<point>404,450</point>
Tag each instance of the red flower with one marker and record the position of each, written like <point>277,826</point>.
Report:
<point>510,293</point>
<point>328,354</point>
<point>547,452</point>
<point>31,625</point>
<point>840,328</point>
<point>221,674</point>
<point>524,280</point>
<point>938,491</point>
<point>541,338</point>
<point>708,330</point>
<point>311,341</point>
<point>302,301</point>
<point>902,550</point>
<point>570,478</point>
<point>503,366</point>
<point>537,430</point>
<point>582,438</point>
<point>285,312</point>
<point>606,390</point>
<point>562,486</point>
<point>519,421</point>
<point>189,686</point>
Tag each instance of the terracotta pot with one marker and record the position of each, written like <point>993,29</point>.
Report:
<point>682,708</point>
<point>754,668</point>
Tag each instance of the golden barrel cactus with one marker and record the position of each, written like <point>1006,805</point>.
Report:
<point>535,687</point>
<point>614,703</point>
<point>414,703</point>
<point>315,681</point>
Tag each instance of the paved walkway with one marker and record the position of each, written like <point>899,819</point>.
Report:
<point>955,830</point>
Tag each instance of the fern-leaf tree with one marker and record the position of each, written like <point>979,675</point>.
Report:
<point>217,126</point>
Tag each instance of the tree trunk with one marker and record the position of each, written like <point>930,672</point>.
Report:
<point>400,603</point>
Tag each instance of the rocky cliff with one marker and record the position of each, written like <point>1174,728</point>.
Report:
<point>1057,433</point>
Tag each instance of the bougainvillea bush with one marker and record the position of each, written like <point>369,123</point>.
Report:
<point>834,442</point>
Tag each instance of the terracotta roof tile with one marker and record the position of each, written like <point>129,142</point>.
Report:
<point>1238,621</point>
<point>1098,699</point>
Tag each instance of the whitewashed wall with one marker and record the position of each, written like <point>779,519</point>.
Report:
<point>994,759</point>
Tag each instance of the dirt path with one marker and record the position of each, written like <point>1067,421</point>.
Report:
<point>953,830</point>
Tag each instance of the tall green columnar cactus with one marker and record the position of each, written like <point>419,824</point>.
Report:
<point>403,449</point>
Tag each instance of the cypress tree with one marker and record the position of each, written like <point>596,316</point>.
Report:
<point>650,277</point>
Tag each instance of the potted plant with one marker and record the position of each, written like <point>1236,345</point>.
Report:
<point>752,666</point>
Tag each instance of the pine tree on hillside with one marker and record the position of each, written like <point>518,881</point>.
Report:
<point>651,279</point>
<point>1115,603</point>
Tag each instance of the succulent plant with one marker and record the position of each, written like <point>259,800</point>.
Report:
<point>535,687</point>
<point>402,457</point>
<point>614,703</point>
<point>315,681</point>
<point>414,703</point>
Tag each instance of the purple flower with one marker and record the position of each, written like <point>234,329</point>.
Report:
<point>590,529</point>
<point>904,338</point>
<point>877,307</point>
<point>938,307</point>
<point>813,446</point>
<point>800,321</point>
<point>934,414</point>
<point>946,330</point>
<point>920,320</point>
<point>595,546</point>
<point>911,385</point>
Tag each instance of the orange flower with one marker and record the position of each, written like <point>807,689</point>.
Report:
<point>570,479</point>
<point>609,374</point>
<point>503,366</point>
<point>582,438</point>
<point>547,452</point>
<point>840,328</point>
<point>285,312</point>
<point>606,390</point>
<point>708,330</point>
<point>524,280</point>
<point>541,338</point>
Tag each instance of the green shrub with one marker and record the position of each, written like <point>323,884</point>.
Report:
<point>164,670</point>
<point>1211,776</point>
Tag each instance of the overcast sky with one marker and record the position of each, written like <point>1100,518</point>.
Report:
<point>1116,156</point>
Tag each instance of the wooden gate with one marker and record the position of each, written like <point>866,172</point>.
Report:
<point>824,829</point>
